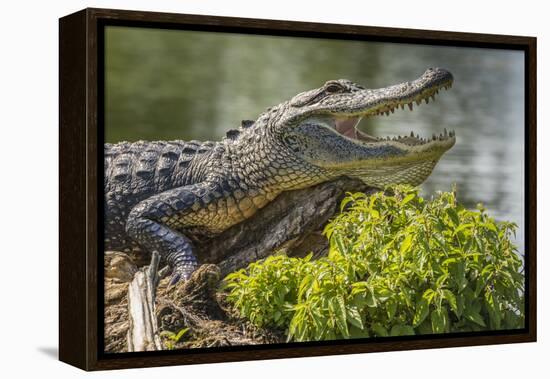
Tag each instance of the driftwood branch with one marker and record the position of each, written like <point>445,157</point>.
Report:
<point>143,330</point>
<point>292,222</point>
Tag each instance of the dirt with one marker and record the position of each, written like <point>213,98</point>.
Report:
<point>197,304</point>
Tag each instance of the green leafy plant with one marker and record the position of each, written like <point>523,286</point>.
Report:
<point>397,265</point>
<point>171,338</point>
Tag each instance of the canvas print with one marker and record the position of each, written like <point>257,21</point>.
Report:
<point>279,190</point>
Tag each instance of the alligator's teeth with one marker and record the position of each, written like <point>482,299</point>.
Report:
<point>432,97</point>
<point>412,134</point>
<point>387,113</point>
<point>418,102</point>
<point>445,131</point>
<point>417,136</point>
<point>433,136</point>
<point>402,106</point>
<point>392,110</point>
<point>427,100</point>
<point>410,106</point>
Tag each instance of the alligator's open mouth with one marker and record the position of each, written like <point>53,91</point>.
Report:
<point>346,125</point>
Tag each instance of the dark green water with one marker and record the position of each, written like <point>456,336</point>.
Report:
<point>164,84</point>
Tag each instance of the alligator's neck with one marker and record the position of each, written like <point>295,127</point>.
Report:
<point>262,161</point>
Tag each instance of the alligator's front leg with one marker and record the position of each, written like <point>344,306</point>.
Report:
<point>156,224</point>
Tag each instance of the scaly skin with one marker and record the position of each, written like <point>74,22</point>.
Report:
<point>164,195</point>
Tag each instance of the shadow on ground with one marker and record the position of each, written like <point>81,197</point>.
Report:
<point>50,351</point>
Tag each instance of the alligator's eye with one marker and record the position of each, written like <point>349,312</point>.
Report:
<point>333,88</point>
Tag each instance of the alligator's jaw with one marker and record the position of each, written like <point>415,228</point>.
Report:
<point>347,126</point>
<point>378,161</point>
<point>391,98</point>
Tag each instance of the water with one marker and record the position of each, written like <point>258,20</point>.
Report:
<point>163,84</point>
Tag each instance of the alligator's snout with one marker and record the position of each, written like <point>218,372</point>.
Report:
<point>438,73</point>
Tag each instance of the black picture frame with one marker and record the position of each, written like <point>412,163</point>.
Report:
<point>81,186</point>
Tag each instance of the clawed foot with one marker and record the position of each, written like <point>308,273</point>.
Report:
<point>182,273</point>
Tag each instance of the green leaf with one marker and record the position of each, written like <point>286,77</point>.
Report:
<point>439,321</point>
<point>425,327</point>
<point>480,286</point>
<point>379,330</point>
<point>382,294</point>
<point>490,268</point>
<point>354,317</point>
<point>402,330</point>
<point>493,307</point>
<point>358,299</point>
<point>341,247</point>
<point>451,298</point>
<point>462,227</point>
<point>370,299</point>
<point>459,274</point>
<point>512,320</point>
<point>441,280</point>
<point>422,310</point>
<point>391,308</point>
<point>428,295</point>
<point>355,332</point>
<point>408,198</point>
<point>406,244</point>
<point>453,216</point>
<point>180,334</point>
<point>304,285</point>
<point>474,316</point>
<point>491,226</point>
<point>344,203</point>
<point>340,310</point>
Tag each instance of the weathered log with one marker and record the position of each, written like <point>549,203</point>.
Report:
<point>292,222</point>
<point>143,332</point>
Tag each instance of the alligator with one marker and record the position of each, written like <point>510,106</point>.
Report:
<point>165,195</point>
